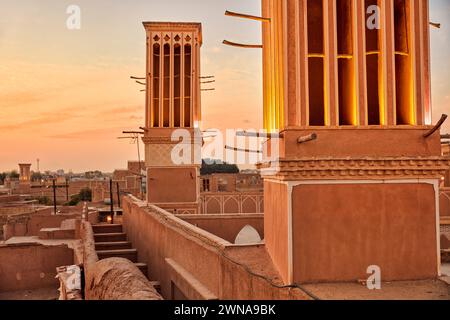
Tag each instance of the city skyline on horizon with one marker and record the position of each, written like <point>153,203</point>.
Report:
<point>67,94</point>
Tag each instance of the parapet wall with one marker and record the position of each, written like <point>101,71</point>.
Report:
<point>191,263</point>
<point>31,266</point>
<point>30,224</point>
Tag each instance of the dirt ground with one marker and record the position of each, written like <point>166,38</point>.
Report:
<point>37,294</point>
<point>402,290</point>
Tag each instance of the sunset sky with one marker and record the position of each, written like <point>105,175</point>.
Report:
<point>65,95</point>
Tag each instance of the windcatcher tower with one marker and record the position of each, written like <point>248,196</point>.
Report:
<point>25,173</point>
<point>365,191</point>
<point>173,103</point>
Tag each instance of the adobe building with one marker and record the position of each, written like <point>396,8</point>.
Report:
<point>25,173</point>
<point>24,177</point>
<point>357,179</point>
<point>231,182</point>
<point>444,205</point>
<point>173,102</point>
<point>446,152</point>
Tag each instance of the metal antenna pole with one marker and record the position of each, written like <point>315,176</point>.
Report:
<point>54,195</point>
<point>111,198</point>
<point>118,194</point>
<point>67,190</point>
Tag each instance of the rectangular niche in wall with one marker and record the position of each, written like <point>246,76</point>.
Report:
<point>316,62</point>
<point>373,70</point>
<point>177,86</point>
<point>155,89</point>
<point>346,63</point>
<point>187,85</point>
<point>403,64</point>
<point>166,87</point>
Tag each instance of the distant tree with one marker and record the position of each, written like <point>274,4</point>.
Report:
<point>3,176</point>
<point>14,175</point>
<point>216,166</point>
<point>44,201</point>
<point>74,200</point>
<point>85,194</point>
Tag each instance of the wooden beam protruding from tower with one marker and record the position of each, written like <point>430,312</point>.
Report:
<point>246,16</point>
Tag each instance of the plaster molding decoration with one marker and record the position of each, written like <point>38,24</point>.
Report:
<point>160,155</point>
<point>356,168</point>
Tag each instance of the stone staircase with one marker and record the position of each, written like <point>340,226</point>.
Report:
<point>111,242</point>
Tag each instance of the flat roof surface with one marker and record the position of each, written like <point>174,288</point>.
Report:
<point>399,290</point>
<point>46,242</point>
<point>34,294</point>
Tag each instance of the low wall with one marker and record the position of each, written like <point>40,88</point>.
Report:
<point>31,266</point>
<point>17,209</point>
<point>20,218</point>
<point>191,263</point>
<point>8,198</point>
<point>226,226</point>
<point>30,225</point>
<point>113,278</point>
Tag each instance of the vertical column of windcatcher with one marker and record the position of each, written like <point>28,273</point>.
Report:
<point>404,91</point>
<point>187,85</point>
<point>374,69</point>
<point>166,86</point>
<point>177,85</point>
<point>346,63</point>
<point>316,63</point>
<point>155,91</point>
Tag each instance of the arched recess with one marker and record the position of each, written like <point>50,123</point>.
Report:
<point>248,235</point>
<point>213,206</point>
<point>249,205</point>
<point>231,205</point>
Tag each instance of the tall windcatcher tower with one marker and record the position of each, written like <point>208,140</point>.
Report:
<point>340,63</point>
<point>356,182</point>
<point>172,102</point>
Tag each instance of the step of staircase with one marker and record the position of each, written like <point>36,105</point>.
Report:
<point>107,228</point>
<point>117,245</point>
<point>130,254</point>
<point>445,255</point>
<point>110,237</point>
<point>156,285</point>
<point>143,267</point>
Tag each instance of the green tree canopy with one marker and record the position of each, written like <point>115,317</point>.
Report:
<point>84,195</point>
<point>14,175</point>
<point>3,177</point>
<point>210,166</point>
